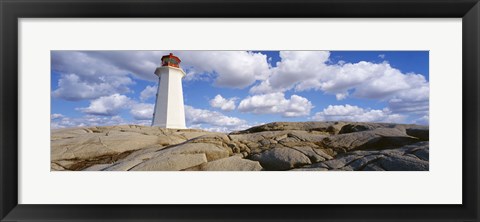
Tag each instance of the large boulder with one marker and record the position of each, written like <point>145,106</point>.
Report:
<point>80,148</point>
<point>420,133</point>
<point>341,162</point>
<point>409,157</point>
<point>210,150</point>
<point>87,143</point>
<point>403,163</point>
<point>306,136</point>
<point>359,127</point>
<point>234,163</point>
<point>258,142</point>
<point>281,159</point>
<point>422,154</point>
<point>315,155</point>
<point>319,127</point>
<point>171,162</point>
<point>380,138</point>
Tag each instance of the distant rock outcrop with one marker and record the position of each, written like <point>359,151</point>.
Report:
<point>303,146</point>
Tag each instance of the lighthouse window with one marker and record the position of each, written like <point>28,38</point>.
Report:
<point>170,61</point>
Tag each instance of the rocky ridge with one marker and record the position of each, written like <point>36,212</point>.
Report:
<point>278,146</point>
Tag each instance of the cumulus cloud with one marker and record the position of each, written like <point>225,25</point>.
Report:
<point>92,74</point>
<point>223,103</point>
<point>112,105</point>
<point>142,111</point>
<point>202,116</point>
<point>234,69</point>
<point>341,96</point>
<point>424,120</point>
<point>295,67</point>
<point>276,103</point>
<point>213,121</point>
<point>107,105</point>
<point>94,64</point>
<point>73,88</point>
<point>311,70</point>
<point>104,78</point>
<point>87,120</point>
<point>414,100</point>
<point>142,115</point>
<point>354,113</point>
<point>56,116</point>
<point>148,92</point>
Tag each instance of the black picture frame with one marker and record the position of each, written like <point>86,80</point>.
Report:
<point>11,11</point>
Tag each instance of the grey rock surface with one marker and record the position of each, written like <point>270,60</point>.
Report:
<point>297,146</point>
<point>406,158</point>
<point>171,162</point>
<point>281,159</point>
<point>233,163</point>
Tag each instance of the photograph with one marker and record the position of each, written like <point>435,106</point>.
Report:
<point>235,111</point>
<point>239,110</point>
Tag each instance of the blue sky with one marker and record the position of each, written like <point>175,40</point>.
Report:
<point>233,90</point>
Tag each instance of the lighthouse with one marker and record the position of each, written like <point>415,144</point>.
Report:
<point>169,111</point>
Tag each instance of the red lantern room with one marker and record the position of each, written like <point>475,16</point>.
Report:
<point>171,60</point>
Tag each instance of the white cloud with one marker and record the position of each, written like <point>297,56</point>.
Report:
<point>424,120</point>
<point>202,116</point>
<point>213,121</point>
<point>148,92</point>
<point>71,87</point>
<point>99,75</point>
<point>92,120</point>
<point>107,105</point>
<point>142,111</point>
<point>87,120</point>
<point>276,103</point>
<point>112,105</point>
<point>91,65</point>
<point>357,114</point>
<point>414,100</point>
<point>341,96</point>
<point>219,129</point>
<point>223,103</point>
<point>234,69</point>
<point>56,116</point>
<point>295,67</point>
<point>306,70</point>
<point>382,56</point>
<point>92,74</point>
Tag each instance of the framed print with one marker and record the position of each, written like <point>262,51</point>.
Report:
<point>225,110</point>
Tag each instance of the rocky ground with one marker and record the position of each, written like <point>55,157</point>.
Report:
<point>306,146</point>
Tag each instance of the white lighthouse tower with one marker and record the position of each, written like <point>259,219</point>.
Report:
<point>169,111</point>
